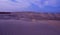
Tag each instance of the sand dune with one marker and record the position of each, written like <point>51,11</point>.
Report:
<point>38,16</point>
<point>30,15</point>
<point>29,23</point>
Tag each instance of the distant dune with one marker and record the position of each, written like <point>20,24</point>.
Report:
<point>30,15</point>
<point>37,15</point>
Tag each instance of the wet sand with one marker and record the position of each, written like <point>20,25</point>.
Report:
<point>21,27</point>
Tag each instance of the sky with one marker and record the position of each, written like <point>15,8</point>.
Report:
<point>30,5</point>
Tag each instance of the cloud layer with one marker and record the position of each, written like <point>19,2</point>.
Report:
<point>24,5</point>
<point>6,5</point>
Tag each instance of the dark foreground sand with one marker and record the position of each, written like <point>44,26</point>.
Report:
<point>20,27</point>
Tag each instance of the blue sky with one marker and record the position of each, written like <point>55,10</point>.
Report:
<point>30,5</point>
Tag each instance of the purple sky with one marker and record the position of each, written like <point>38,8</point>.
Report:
<point>29,5</point>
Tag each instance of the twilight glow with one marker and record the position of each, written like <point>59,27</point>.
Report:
<point>29,5</point>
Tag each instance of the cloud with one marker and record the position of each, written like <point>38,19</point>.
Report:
<point>37,2</point>
<point>9,5</point>
<point>43,3</point>
<point>20,5</point>
<point>52,3</point>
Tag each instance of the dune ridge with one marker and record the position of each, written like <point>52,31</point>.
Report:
<point>30,15</point>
